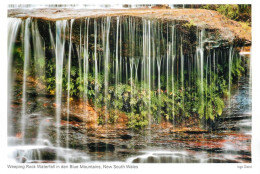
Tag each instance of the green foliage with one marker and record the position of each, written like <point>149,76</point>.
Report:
<point>238,12</point>
<point>138,120</point>
<point>18,58</point>
<point>237,68</point>
<point>140,102</point>
<point>41,62</point>
<point>101,119</point>
<point>229,10</point>
<point>214,105</point>
<point>190,24</point>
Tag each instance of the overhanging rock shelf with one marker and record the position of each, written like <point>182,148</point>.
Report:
<point>204,19</point>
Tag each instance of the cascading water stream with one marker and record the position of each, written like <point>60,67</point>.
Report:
<point>60,53</point>
<point>117,69</point>
<point>173,47</point>
<point>106,68</point>
<point>13,27</point>
<point>182,75</point>
<point>230,59</point>
<point>149,79</point>
<point>39,53</point>
<point>200,65</point>
<point>86,64</point>
<point>201,51</point>
<point>68,94</point>
<point>25,71</point>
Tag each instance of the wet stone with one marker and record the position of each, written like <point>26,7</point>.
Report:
<point>221,161</point>
<point>35,115</point>
<point>123,147</point>
<point>215,150</point>
<point>235,129</point>
<point>101,147</point>
<point>137,160</point>
<point>126,137</point>
<point>247,159</point>
<point>48,154</point>
<point>139,146</point>
<point>242,152</point>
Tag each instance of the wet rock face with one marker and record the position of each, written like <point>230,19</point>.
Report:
<point>48,154</point>
<point>72,117</point>
<point>29,155</point>
<point>126,137</point>
<point>166,159</point>
<point>101,147</point>
<point>186,28</point>
<point>207,19</point>
<point>122,143</point>
<point>74,136</point>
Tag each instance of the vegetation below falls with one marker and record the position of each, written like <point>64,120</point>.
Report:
<point>151,71</point>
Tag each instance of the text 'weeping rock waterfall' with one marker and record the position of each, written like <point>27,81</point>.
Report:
<point>112,84</point>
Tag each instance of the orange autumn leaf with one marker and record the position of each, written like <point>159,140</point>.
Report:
<point>19,135</point>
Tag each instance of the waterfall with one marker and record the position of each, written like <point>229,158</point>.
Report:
<point>182,76</point>
<point>117,70</point>
<point>106,32</point>
<point>147,51</point>
<point>86,64</point>
<point>25,71</point>
<point>39,53</point>
<point>68,94</point>
<point>107,59</point>
<point>13,28</point>
<point>60,53</point>
<point>96,64</point>
<point>172,65</point>
<point>200,60</point>
<point>159,58</point>
<point>230,59</point>
<point>113,75</point>
<point>201,51</point>
<point>149,75</point>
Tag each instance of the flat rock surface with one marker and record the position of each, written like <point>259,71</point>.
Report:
<point>201,18</point>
